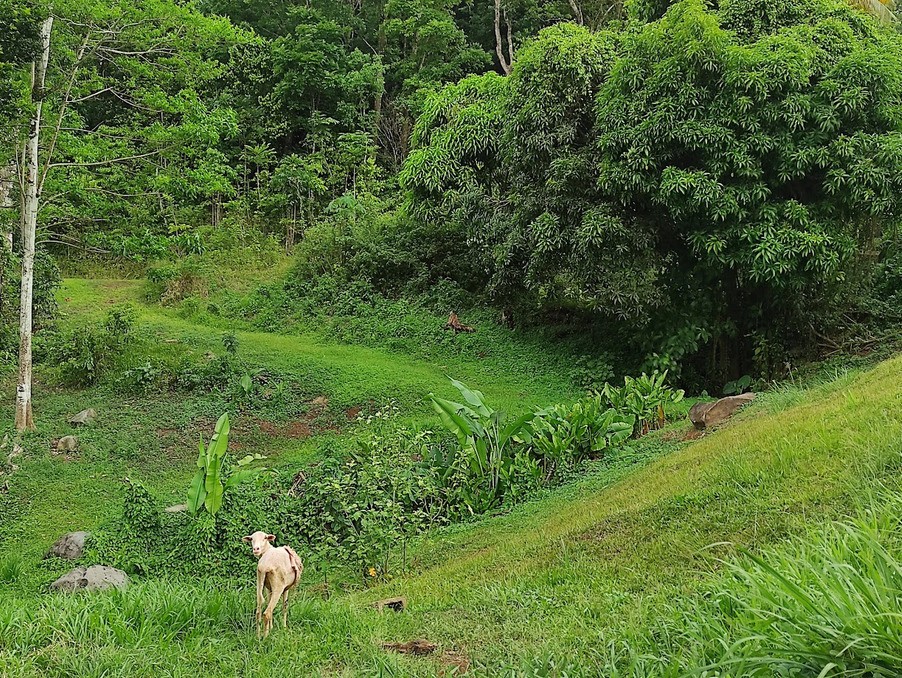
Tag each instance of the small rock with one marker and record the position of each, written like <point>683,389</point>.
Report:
<point>69,546</point>
<point>67,444</point>
<point>706,415</point>
<point>398,604</point>
<point>177,508</point>
<point>419,647</point>
<point>84,417</point>
<point>94,578</point>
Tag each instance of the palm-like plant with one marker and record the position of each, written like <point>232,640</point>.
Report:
<point>485,435</point>
<point>643,397</point>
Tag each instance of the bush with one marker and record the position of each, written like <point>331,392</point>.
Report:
<point>357,508</point>
<point>645,398</point>
<point>88,353</point>
<point>173,282</point>
<point>46,283</point>
<point>563,435</point>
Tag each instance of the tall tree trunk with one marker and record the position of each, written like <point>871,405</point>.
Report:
<point>577,12</point>
<point>506,64</point>
<point>24,418</point>
<point>7,201</point>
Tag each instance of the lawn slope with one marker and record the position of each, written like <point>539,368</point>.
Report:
<point>563,580</point>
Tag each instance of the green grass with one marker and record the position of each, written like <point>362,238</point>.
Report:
<point>615,572</point>
<point>153,437</point>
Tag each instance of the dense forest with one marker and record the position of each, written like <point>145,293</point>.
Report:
<point>715,187</point>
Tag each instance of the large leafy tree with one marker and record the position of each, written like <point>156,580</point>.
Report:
<point>707,176</point>
<point>19,27</point>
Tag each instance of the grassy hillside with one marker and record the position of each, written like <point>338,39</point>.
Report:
<point>574,582</point>
<point>153,436</point>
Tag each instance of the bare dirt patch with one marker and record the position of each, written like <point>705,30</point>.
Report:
<point>453,663</point>
<point>292,429</point>
<point>418,648</point>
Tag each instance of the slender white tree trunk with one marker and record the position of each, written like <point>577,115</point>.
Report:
<point>24,418</point>
<point>7,201</point>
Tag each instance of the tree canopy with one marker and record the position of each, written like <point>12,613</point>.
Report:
<point>692,176</point>
<point>713,170</point>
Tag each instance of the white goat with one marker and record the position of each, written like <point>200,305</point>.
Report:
<point>278,570</point>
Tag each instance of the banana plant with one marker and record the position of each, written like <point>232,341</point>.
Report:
<point>210,482</point>
<point>484,434</point>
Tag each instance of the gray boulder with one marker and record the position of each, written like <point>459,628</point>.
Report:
<point>69,546</point>
<point>83,417</point>
<point>67,444</point>
<point>706,415</point>
<point>94,578</point>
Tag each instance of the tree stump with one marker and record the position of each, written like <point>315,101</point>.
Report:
<point>455,324</point>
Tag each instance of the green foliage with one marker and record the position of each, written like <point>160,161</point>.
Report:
<point>737,386</point>
<point>44,304</point>
<point>645,398</point>
<point>87,354</point>
<point>813,608</point>
<point>488,445</point>
<point>214,476</point>
<point>132,133</point>
<point>230,343</point>
<point>702,189</point>
<point>11,567</point>
<point>362,508</point>
<point>563,435</point>
<point>19,42</point>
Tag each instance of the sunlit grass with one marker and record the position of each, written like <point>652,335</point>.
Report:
<point>637,568</point>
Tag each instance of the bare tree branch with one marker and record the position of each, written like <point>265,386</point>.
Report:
<point>86,97</point>
<point>62,112</point>
<point>111,161</point>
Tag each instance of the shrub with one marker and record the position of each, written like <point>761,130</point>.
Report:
<point>645,398</point>
<point>87,353</point>
<point>46,283</point>
<point>355,508</point>
<point>562,435</point>
<point>487,445</point>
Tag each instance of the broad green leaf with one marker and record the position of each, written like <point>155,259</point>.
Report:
<point>241,475</point>
<point>516,426</point>
<point>474,398</point>
<point>452,420</point>
<point>213,500</point>
<point>196,491</point>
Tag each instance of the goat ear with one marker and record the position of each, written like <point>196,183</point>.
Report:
<point>248,538</point>
<point>270,537</point>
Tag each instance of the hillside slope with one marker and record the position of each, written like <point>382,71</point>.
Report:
<point>560,581</point>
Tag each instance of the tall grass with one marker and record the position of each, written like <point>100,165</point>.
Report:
<point>827,605</point>
<point>11,567</point>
